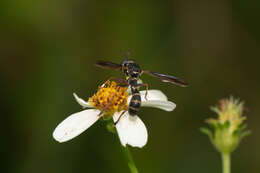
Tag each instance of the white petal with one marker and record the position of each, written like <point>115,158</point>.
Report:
<point>164,105</point>
<point>75,124</point>
<point>131,130</point>
<point>82,102</point>
<point>156,99</point>
<point>151,95</point>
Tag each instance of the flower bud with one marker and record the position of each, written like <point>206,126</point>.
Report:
<point>228,127</point>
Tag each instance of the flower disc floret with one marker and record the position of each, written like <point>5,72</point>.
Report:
<point>111,97</point>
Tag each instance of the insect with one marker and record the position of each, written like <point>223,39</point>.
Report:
<point>132,71</point>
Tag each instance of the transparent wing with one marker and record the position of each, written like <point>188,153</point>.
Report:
<point>167,78</point>
<point>108,65</point>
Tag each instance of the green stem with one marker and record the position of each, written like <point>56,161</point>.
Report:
<point>129,160</point>
<point>226,164</point>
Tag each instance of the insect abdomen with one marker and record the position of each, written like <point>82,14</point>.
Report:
<point>135,102</point>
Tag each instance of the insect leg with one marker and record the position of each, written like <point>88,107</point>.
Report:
<point>103,110</point>
<point>146,88</point>
<point>120,117</point>
<point>128,53</point>
<point>121,82</point>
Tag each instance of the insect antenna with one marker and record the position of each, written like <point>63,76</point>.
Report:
<point>125,54</point>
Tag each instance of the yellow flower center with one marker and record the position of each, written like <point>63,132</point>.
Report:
<point>110,97</point>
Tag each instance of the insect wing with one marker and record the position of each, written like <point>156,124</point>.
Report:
<point>167,78</point>
<point>108,65</point>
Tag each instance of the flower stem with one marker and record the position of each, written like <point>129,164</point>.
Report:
<point>129,160</point>
<point>226,165</point>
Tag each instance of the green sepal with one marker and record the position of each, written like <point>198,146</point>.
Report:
<point>219,126</point>
<point>236,133</point>
<point>226,125</point>
<point>212,124</point>
<point>207,132</point>
<point>106,117</point>
<point>245,133</point>
<point>111,128</point>
<point>110,125</point>
<point>242,126</point>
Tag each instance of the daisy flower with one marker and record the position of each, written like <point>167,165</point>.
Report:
<point>111,101</point>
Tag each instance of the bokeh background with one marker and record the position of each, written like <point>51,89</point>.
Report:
<point>47,52</point>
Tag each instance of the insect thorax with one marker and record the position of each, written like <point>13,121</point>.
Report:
<point>131,68</point>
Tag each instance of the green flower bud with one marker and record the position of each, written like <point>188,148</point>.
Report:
<point>228,127</point>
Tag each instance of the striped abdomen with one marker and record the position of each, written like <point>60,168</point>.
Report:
<point>135,101</point>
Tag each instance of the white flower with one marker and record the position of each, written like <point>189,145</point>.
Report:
<point>131,129</point>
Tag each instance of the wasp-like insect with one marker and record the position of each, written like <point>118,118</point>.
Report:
<point>132,71</point>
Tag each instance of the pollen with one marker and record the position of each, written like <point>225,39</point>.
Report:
<point>111,97</point>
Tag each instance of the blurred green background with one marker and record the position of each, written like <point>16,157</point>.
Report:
<point>47,52</point>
